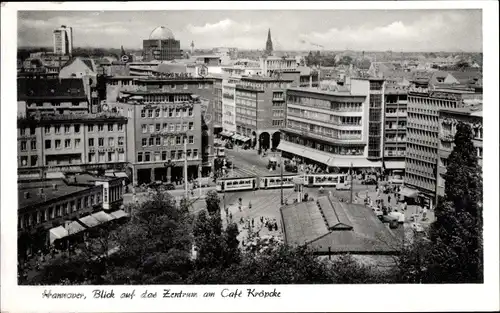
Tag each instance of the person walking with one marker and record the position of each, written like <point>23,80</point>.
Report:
<point>388,199</point>
<point>252,222</point>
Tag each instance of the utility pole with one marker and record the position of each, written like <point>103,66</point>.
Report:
<point>185,168</point>
<point>199,179</point>
<point>281,185</point>
<point>352,180</point>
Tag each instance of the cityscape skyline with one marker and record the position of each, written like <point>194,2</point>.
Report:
<point>395,30</point>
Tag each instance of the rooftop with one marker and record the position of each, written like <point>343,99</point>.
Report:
<point>325,92</point>
<point>341,227</point>
<point>84,117</point>
<point>49,193</point>
<point>29,88</point>
<point>264,79</point>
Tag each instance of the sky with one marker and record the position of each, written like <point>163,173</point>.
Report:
<point>374,30</point>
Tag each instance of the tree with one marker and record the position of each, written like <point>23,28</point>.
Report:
<point>212,200</point>
<point>462,64</point>
<point>457,232</point>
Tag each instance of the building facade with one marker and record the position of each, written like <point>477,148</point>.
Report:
<point>448,119</point>
<point>48,145</point>
<point>63,40</point>
<point>271,64</point>
<point>395,116</point>
<point>161,45</point>
<point>335,129</point>
<point>423,136</point>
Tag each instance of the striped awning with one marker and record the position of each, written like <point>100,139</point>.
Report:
<point>74,228</point>
<point>408,192</point>
<point>119,214</point>
<point>57,233</point>
<point>103,217</point>
<point>90,221</point>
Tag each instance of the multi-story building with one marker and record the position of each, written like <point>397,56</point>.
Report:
<point>395,115</point>
<point>161,45</point>
<point>183,83</point>
<point>50,144</point>
<point>272,64</point>
<point>160,121</point>
<point>472,114</point>
<point>63,40</point>
<point>336,128</point>
<point>44,95</point>
<point>423,136</point>
<point>64,208</point>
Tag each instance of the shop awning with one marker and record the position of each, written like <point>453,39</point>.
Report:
<point>226,134</point>
<point>74,227</point>
<point>57,233</point>
<point>356,162</point>
<point>245,139</point>
<point>121,174</point>
<point>90,221</point>
<point>408,192</point>
<point>119,214</point>
<point>103,217</point>
<point>395,165</point>
<point>53,175</point>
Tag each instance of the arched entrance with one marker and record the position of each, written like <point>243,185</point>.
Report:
<point>276,139</point>
<point>264,141</point>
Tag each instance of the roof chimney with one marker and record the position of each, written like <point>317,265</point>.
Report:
<point>26,195</point>
<point>54,186</point>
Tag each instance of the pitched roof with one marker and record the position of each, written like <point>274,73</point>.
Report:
<point>50,88</point>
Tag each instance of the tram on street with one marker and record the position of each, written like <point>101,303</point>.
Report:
<point>275,182</point>
<point>331,180</point>
<point>236,184</point>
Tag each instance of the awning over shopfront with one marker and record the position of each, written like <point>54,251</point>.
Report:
<point>226,134</point>
<point>245,139</point>
<point>57,233</point>
<point>54,175</point>
<point>103,217</point>
<point>121,174</point>
<point>356,162</point>
<point>236,137</point>
<point>119,214</point>
<point>395,165</point>
<point>90,221</point>
<point>74,228</point>
<point>408,192</point>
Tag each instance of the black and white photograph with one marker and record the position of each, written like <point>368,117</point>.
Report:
<point>249,147</point>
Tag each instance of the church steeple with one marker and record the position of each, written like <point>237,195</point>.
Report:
<point>269,43</point>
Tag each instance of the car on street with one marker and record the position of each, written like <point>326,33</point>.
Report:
<point>229,145</point>
<point>169,186</point>
<point>369,181</point>
<point>291,168</point>
<point>343,186</point>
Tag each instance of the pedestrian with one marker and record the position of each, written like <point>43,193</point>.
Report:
<point>250,204</point>
<point>241,220</point>
<point>252,222</point>
<point>230,216</point>
<point>424,213</point>
<point>262,220</point>
<point>389,199</point>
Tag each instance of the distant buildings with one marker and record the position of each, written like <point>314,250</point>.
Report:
<point>395,122</point>
<point>161,45</point>
<point>271,65</point>
<point>63,40</point>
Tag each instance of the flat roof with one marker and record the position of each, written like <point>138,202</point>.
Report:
<point>325,92</point>
<point>265,79</point>
<point>49,193</point>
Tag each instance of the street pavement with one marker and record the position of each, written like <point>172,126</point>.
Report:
<point>250,163</point>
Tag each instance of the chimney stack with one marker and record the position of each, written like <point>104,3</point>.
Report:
<point>54,186</point>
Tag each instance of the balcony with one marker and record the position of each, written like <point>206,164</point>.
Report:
<point>394,153</point>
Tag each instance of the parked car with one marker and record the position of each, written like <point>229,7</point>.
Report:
<point>169,186</point>
<point>343,186</point>
<point>291,168</point>
<point>369,181</point>
<point>229,145</point>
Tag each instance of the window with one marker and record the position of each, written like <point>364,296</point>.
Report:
<point>90,128</point>
<point>144,128</point>
<point>191,125</point>
<point>184,112</point>
<point>58,144</point>
<point>111,141</point>
<point>151,141</point>
<point>57,129</point>
<point>102,157</point>
<point>151,128</point>
<point>164,155</point>
<point>147,156</point>
<point>91,142</point>
<point>66,129</point>
<point>120,127</point>
<point>188,154</point>
<point>158,141</point>
<point>158,127</point>
<point>77,143</point>
<point>144,142</point>
<point>191,139</point>
<point>185,86</point>
<point>150,113</point>
<point>178,127</point>
<point>190,112</point>
<point>178,112</point>
<point>172,86</point>
<point>178,140</point>
<point>157,156</point>
<point>101,142</point>
<point>120,141</point>
<point>179,154</point>
<point>23,145</point>
<point>77,129</point>
<point>111,156</point>
<point>172,127</point>
<point>33,145</point>
<point>24,160</point>
<point>34,160</point>
<point>172,155</point>
<point>100,127</point>
<point>23,131</point>
<point>184,127</point>
<point>139,157</point>
<point>110,127</point>
<point>170,112</point>
<point>143,113</point>
<point>47,129</point>
<point>67,143</point>
<point>157,113</point>
<point>165,127</point>
<point>195,153</point>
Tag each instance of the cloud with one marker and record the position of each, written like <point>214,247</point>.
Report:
<point>208,28</point>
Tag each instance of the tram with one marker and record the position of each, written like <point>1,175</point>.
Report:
<point>269,182</point>
<point>236,184</point>
<point>275,182</point>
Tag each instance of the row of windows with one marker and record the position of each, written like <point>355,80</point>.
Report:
<point>24,160</point>
<point>100,128</point>
<point>245,102</point>
<point>60,210</point>
<point>278,123</point>
<point>57,104</point>
<point>165,155</point>
<point>394,125</point>
<point>102,157</point>
<point>24,145</point>
<point>246,121</point>
<point>58,143</point>
<point>432,102</point>
<point>167,112</point>
<point>330,148</point>
<point>326,104</point>
<point>419,181</point>
<point>115,193</point>
<point>152,128</point>
<point>68,129</point>
<point>278,113</point>
<point>325,131</point>
<point>337,120</point>
<point>246,111</point>
<point>177,140</point>
<point>110,143</point>
<point>24,131</point>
